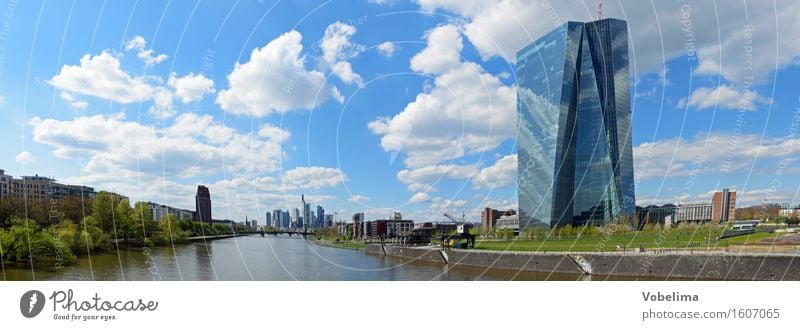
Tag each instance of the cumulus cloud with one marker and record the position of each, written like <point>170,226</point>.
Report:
<point>424,178</point>
<point>716,153</point>
<point>359,199</point>
<point>733,45</point>
<point>74,103</point>
<point>466,111</point>
<point>193,145</point>
<point>501,174</point>
<point>723,97</point>
<point>139,45</point>
<point>419,197</point>
<point>101,76</point>
<point>25,157</point>
<point>314,177</point>
<point>387,48</point>
<point>191,87</point>
<point>275,80</point>
<point>443,52</point>
<point>162,104</point>
<point>337,48</point>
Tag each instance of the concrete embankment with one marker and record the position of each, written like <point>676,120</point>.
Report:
<point>714,266</point>
<point>213,237</point>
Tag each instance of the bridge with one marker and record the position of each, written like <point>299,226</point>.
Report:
<point>290,232</point>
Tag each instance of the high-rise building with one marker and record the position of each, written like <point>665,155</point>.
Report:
<point>298,222</point>
<point>358,225</point>
<point>724,206</point>
<point>574,148</point>
<point>268,219</point>
<point>202,204</point>
<point>277,215</point>
<point>307,221</point>
<point>328,221</point>
<point>320,217</point>
<point>489,217</point>
<point>285,219</point>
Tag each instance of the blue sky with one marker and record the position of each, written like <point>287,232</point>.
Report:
<point>377,106</point>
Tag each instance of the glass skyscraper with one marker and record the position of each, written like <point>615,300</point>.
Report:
<point>574,148</point>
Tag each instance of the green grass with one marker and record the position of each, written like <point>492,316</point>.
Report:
<point>353,245</point>
<point>633,240</point>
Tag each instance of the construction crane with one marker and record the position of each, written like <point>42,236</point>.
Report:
<point>462,227</point>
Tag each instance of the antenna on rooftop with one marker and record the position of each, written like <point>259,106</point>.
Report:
<point>599,10</point>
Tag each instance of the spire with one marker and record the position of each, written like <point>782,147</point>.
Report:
<point>599,10</point>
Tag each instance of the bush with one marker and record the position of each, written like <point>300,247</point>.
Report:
<point>25,241</point>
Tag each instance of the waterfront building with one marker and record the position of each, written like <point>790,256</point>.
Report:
<point>724,206</point>
<point>691,213</point>
<point>202,204</point>
<point>653,214</point>
<point>508,222</point>
<point>387,228</point>
<point>6,182</point>
<point>489,217</point>
<point>32,187</point>
<point>158,212</point>
<point>574,147</point>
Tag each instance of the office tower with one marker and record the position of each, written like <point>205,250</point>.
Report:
<point>298,222</point>
<point>276,218</point>
<point>286,221</point>
<point>268,219</point>
<point>358,223</point>
<point>307,221</point>
<point>202,204</point>
<point>320,217</point>
<point>724,206</point>
<point>574,149</point>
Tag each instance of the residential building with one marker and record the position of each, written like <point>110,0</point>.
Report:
<point>388,227</point>
<point>358,225</point>
<point>396,216</point>
<point>789,211</point>
<point>32,187</point>
<point>202,204</point>
<point>6,182</point>
<point>724,206</point>
<point>574,147</point>
<point>158,212</point>
<point>329,220</point>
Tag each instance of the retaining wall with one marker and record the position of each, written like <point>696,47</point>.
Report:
<point>679,265</point>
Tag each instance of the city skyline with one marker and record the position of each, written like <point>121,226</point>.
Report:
<point>138,108</point>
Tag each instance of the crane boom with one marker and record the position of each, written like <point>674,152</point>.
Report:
<point>452,218</point>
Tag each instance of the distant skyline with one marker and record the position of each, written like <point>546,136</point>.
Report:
<point>265,101</point>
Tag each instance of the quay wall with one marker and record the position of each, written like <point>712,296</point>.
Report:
<point>697,265</point>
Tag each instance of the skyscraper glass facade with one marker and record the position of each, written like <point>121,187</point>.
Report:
<point>574,149</point>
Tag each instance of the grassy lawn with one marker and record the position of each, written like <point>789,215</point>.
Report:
<point>353,245</point>
<point>648,240</point>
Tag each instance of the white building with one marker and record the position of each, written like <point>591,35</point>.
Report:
<point>159,211</point>
<point>790,211</point>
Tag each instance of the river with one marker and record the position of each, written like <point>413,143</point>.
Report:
<point>259,258</point>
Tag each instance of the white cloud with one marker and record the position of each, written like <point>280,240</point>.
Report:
<point>101,76</point>
<point>467,111</point>
<point>162,104</point>
<point>657,31</point>
<point>387,48</point>
<point>443,52</point>
<point>723,97</point>
<point>191,87</point>
<point>193,145</point>
<point>502,174</point>
<point>274,133</point>
<point>275,80</point>
<point>139,45</point>
<point>25,157</point>
<point>73,102</point>
<point>717,153</point>
<point>313,177</point>
<point>419,197</point>
<point>423,178</point>
<point>337,48</point>
<point>359,199</point>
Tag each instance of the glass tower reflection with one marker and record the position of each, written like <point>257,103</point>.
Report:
<point>574,148</point>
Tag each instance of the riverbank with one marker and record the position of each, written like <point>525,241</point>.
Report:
<point>348,245</point>
<point>214,237</point>
<point>676,265</point>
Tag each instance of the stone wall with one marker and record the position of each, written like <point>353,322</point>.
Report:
<point>689,266</point>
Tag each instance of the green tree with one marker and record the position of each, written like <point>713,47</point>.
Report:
<point>143,224</point>
<point>171,231</point>
<point>25,241</point>
<point>123,219</point>
<point>103,211</point>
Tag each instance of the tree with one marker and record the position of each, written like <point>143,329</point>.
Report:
<point>143,224</point>
<point>171,231</point>
<point>103,211</point>
<point>25,241</point>
<point>124,220</point>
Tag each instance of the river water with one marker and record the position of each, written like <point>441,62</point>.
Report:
<point>259,258</point>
